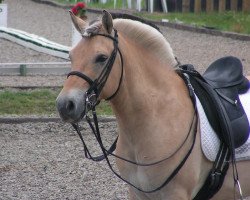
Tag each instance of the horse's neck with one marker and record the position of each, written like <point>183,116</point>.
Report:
<point>151,101</point>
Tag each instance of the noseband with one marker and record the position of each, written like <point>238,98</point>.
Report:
<point>97,85</point>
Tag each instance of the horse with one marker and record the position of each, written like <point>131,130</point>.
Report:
<point>154,112</point>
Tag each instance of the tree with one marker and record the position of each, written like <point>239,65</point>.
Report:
<point>185,5</point>
<point>234,5</point>
<point>197,6</point>
<point>210,5</point>
<point>222,5</point>
<point>246,6</point>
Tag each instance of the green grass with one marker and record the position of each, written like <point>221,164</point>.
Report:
<point>108,5</point>
<point>228,21</point>
<point>36,102</point>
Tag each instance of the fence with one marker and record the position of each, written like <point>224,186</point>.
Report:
<point>185,5</point>
<point>215,5</point>
<point>203,5</point>
<point>45,68</point>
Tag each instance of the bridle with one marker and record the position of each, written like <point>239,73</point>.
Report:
<point>91,100</point>
<point>97,85</point>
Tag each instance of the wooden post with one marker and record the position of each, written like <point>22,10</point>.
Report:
<point>164,6</point>
<point>197,6</point>
<point>138,5</point>
<point>246,6</point>
<point>209,6</point>
<point>234,5</point>
<point>222,5</point>
<point>185,5</point>
<point>23,70</point>
<point>151,6</point>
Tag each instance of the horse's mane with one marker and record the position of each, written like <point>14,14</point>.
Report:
<point>147,35</point>
<point>133,17</point>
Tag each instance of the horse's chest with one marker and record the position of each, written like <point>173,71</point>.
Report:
<point>139,177</point>
<point>144,178</point>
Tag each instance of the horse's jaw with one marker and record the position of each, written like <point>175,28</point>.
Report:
<point>71,105</point>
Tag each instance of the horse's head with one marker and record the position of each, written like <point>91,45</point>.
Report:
<point>92,59</point>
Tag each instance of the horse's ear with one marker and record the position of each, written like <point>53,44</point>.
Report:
<point>78,22</point>
<point>107,21</point>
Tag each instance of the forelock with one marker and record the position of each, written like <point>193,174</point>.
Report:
<point>93,28</point>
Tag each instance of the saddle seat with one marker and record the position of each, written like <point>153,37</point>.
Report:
<point>218,91</point>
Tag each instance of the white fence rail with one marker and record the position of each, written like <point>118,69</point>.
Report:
<point>34,42</point>
<point>41,68</point>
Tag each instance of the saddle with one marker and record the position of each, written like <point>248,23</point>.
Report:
<point>218,91</point>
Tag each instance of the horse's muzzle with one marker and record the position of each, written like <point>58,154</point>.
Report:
<point>71,105</point>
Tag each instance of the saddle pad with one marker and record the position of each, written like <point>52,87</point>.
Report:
<point>209,140</point>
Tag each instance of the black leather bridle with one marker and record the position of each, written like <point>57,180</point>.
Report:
<point>97,85</point>
<point>93,93</point>
<point>91,100</point>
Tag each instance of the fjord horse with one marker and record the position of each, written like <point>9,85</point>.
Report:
<point>154,112</point>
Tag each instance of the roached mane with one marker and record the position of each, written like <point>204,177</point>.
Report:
<point>147,35</point>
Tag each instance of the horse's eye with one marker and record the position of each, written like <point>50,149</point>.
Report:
<point>101,58</point>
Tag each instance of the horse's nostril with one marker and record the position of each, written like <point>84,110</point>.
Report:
<point>70,106</point>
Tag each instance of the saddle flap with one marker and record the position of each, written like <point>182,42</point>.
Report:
<point>224,72</point>
<point>218,91</point>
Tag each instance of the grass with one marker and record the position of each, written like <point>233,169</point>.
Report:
<point>228,21</point>
<point>36,102</point>
<point>93,4</point>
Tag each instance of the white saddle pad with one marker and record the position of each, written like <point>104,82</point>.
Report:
<point>209,140</point>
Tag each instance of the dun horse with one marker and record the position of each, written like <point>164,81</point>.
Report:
<point>152,105</point>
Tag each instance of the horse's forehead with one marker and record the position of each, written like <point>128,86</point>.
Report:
<point>94,27</point>
<point>89,46</point>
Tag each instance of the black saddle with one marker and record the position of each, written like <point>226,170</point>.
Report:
<point>218,91</point>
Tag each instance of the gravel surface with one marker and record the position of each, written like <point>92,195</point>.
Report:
<point>45,160</point>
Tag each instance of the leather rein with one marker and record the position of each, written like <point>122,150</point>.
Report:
<point>91,101</point>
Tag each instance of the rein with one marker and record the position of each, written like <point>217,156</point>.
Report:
<point>106,153</point>
<point>91,101</point>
